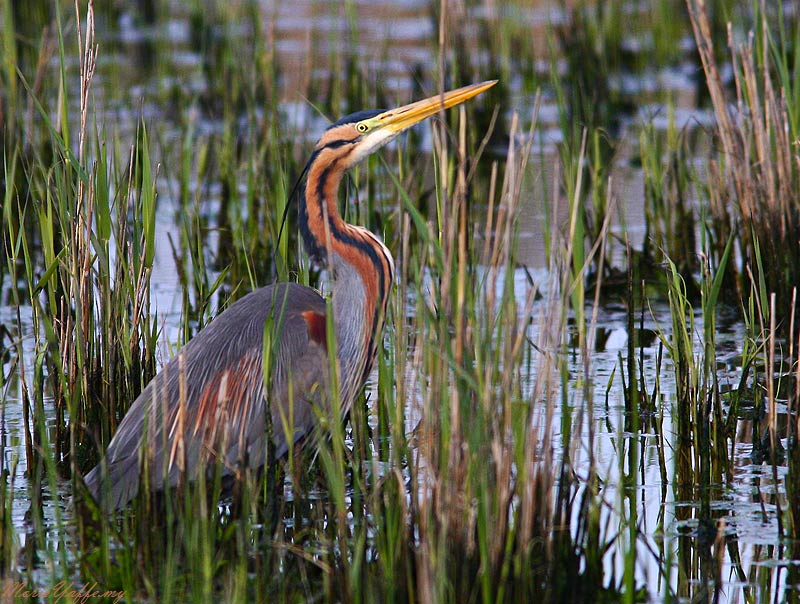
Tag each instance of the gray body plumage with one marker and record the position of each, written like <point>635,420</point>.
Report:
<point>209,399</point>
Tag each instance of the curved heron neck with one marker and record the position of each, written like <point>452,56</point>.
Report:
<point>360,266</point>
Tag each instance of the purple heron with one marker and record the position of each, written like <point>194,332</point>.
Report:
<point>209,404</point>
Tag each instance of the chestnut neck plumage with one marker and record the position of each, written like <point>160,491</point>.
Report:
<point>360,266</point>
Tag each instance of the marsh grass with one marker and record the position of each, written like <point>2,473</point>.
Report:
<point>671,220</point>
<point>751,191</point>
<point>594,107</point>
<point>79,236</point>
<point>754,179</point>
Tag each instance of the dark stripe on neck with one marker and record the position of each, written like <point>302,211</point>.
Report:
<point>314,250</point>
<point>317,249</point>
<point>341,142</point>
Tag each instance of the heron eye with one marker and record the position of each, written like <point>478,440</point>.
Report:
<point>362,127</point>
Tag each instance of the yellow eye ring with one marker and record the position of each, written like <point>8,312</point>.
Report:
<point>362,128</point>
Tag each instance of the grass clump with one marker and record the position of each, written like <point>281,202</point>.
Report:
<point>754,179</point>
<point>78,241</point>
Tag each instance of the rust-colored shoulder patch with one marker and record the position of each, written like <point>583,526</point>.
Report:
<point>316,326</point>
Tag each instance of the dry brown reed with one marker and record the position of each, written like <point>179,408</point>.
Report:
<point>755,178</point>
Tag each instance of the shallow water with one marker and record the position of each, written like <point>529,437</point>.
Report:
<point>143,65</point>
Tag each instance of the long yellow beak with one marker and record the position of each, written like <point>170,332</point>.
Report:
<point>397,120</point>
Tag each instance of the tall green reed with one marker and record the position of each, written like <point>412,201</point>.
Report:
<point>80,233</point>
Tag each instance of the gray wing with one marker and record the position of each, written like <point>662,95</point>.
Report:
<point>207,405</point>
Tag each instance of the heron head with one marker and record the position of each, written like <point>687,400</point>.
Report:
<point>364,132</point>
